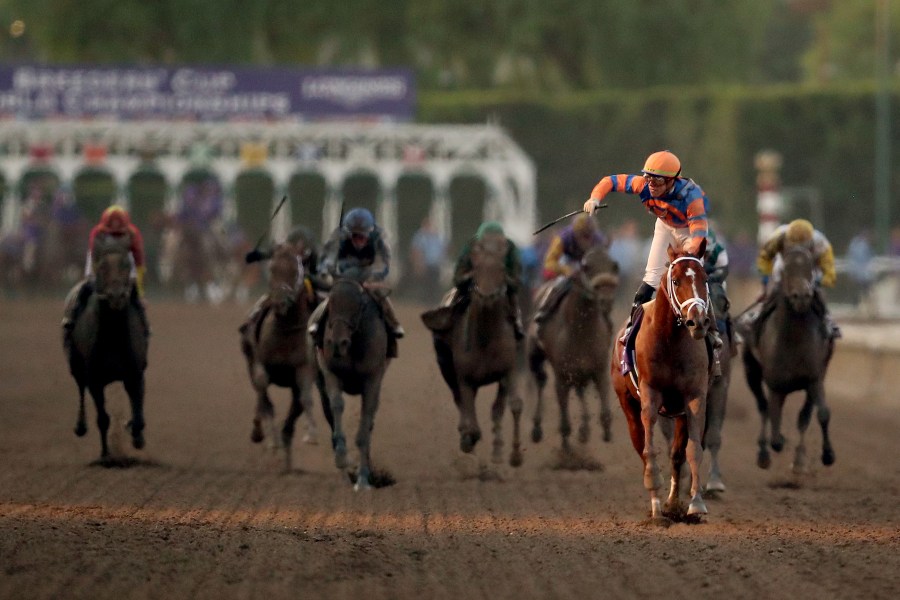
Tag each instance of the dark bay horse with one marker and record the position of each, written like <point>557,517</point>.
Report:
<point>480,348</point>
<point>577,341</point>
<point>789,351</point>
<point>194,258</point>
<point>673,370</point>
<point>278,351</point>
<point>353,359</point>
<point>108,343</point>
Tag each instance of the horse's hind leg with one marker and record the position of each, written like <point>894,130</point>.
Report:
<point>753,375</point>
<point>696,424</point>
<point>135,389</point>
<point>264,417</point>
<point>498,409</point>
<point>712,438</point>
<point>584,430</point>
<point>601,381</point>
<point>81,423</point>
<point>565,422</point>
<point>536,363</point>
<point>290,421</point>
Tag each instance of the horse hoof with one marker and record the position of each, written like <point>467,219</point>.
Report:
<point>828,457</point>
<point>256,436</point>
<point>763,460</point>
<point>607,435</point>
<point>715,485</point>
<point>137,440</point>
<point>515,459</point>
<point>697,507</point>
<point>467,441</point>
<point>778,445</point>
<point>584,434</point>
<point>80,429</point>
<point>537,434</point>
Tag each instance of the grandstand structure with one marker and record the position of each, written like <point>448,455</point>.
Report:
<point>279,152</point>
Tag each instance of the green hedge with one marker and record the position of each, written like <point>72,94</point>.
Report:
<point>825,134</point>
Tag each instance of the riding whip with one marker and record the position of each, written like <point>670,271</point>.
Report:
<point>571,214</point>
<point>272,218</point>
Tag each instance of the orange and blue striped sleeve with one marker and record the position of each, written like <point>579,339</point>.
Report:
<point>628,184</point>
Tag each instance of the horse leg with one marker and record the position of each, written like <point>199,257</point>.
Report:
<point>712,438</point>
<point>290,421</point>
<point>823,413</point>
<point>677,437</point>
<point>102,419</point>
<point>134,387</point>
<point>651,400</point>
<point>265,414</point>
<point>601,382</point>
<point>776,406</point>
<point>497,411</point>
<point>803,419</point>
<point>565,423</point>
<point>338,439</point>
<point>515,406</point>
<point>469,432</point>
<point>696,424</point>
<point>81,423</point>
<point>370,399</point>
<point>753,374</point>
<point>584,430</point>
<point>536,360</point>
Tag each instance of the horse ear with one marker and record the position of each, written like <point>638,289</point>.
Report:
<point>702,249</point>
<point>671,251</point>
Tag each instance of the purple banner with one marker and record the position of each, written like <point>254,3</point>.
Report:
<point>206,93</point>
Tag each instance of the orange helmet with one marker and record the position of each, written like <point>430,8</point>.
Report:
<point>115,219</point>
<point>662,164</point>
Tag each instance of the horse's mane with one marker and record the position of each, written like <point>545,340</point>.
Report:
<point>104,245</point>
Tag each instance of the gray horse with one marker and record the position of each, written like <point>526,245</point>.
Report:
<point>352,359</point>
<point>788,350</point>
<point>108,343</point>
<point>577,340</point>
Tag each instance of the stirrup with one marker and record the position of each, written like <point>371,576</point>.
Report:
<point>716,340</point>
<point>313,328</point>
<point>398,331</point>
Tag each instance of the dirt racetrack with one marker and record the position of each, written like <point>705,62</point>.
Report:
<point>207,514</point>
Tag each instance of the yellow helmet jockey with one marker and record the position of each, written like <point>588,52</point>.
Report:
<point>662,164</point>
<point>799,231</point>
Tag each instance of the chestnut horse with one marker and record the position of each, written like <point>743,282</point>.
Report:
<point>789,351</point>
<point>108,343</point>
<point>577,339</point>
<point>353,359</point>
<point>673,369</point>
<point>480,348</point>
<point>278,352</point>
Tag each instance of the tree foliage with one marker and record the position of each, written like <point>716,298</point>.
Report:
<point>526,45</point>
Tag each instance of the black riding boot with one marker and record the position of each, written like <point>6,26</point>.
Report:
<point>516,315</point>
<point>84,292</point>
<point>644,294</point>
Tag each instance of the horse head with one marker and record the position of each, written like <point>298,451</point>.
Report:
<point>345,311</point>
<point>488,267</point>
<point>111,265</point>
<point>285,280</point>
<point>798,278</point>
<point>598,277</point>
<point>687,290</point>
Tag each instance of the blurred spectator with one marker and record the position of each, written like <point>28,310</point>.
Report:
<point>35,218</point>
<point>859,257</point>
<point>428,251</point>
<point>627,249</point>
<point>894,243</point>
<point>742,255</point>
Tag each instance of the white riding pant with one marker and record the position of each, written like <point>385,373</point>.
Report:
<point>663,236</point>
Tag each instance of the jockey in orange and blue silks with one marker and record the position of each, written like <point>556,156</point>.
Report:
<point>680,207</point>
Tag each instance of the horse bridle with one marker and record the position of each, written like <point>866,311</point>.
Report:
<point>677,306</point>
<point>500,291</point>
<point>295,288</point>
<point>352,322</point>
